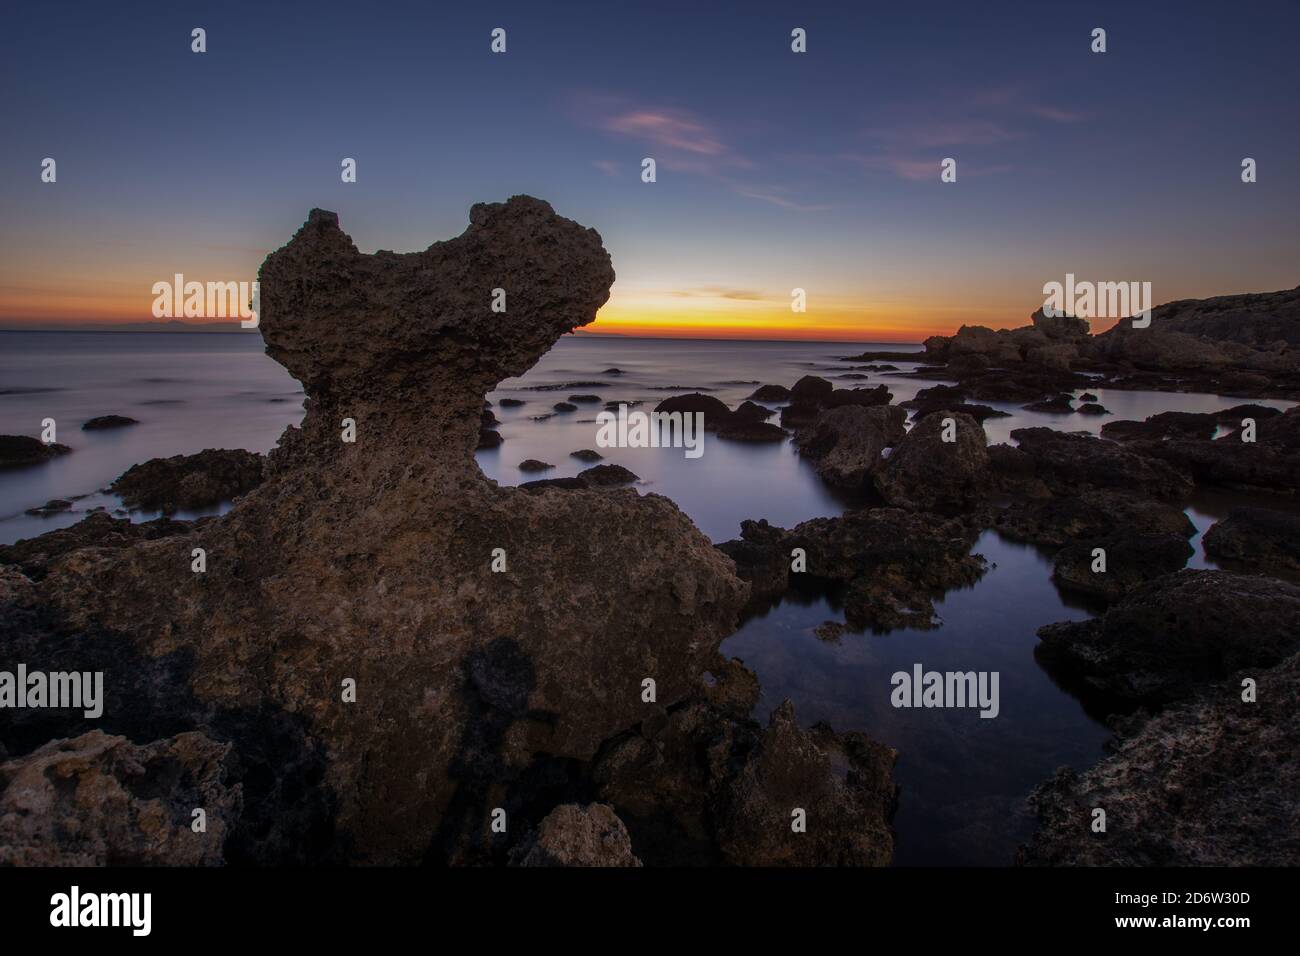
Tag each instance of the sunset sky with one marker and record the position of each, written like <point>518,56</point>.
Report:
<point>776,170</point>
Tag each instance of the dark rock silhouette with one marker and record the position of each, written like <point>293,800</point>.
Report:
<point>382,687</point>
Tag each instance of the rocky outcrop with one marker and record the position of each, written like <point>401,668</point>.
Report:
<point>1110,567</point>
<point>100,800</point>
<point>573,835</point>
<point>1175,633</point>
<point>1257,539</point>
<point>391,644</point>
<point>942,465</point>
<point>103,422</point>
<point>98,530</point>
<point>19,451</point>
<point>846,442</point>
<point>1067,463</point>
<point>190,481</point>
<point>700,777</point>
<point>1090,517</point>
<point>1211,781</point>
<point>1269,463</point>
<point>890,562</point>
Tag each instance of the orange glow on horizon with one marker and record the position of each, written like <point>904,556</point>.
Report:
<point>648,314</point>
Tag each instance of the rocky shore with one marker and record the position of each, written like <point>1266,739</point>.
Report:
<point>387,658</point>
<point>382,657</point>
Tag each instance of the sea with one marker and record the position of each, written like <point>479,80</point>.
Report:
<point>963,779</point>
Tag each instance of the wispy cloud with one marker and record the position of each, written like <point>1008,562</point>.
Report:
<point>719,292</point>
<point>683,142</point>
<point>674,129</point>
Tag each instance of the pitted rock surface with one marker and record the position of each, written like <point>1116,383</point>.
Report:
<point>371,561</point>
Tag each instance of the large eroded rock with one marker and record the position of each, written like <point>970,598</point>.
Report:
<point>371,562</point>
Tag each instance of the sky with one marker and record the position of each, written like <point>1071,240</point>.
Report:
<point>775,170</point>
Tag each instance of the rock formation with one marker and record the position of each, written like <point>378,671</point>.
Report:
<point>382,686</point>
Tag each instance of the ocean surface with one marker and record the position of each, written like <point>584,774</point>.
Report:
<point>963,779</point>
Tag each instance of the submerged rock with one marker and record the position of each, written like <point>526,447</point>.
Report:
<point>52,507</point>
<point>108,421</point>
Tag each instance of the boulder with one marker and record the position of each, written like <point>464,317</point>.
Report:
<point>926,472</point>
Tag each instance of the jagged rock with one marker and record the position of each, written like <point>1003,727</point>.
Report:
<point>1209,782</point>
<point>1131,559</point>
<point>926,472</point>
<point>1067,327</point>
<point>1226,462</point>
<point>573,835</point>
<point>729,787</point>
<point>96,530</point>
<point>564,484</point>
<point>108,421</point>
<point>1257,539</point>
<point>19,451</point>
<point>1090,516</point>
<point>532,464</point>
<point>846,442</point>
<point>100,800</point>
<point>1092,408</point>
<point>1067,462</point>
<point>1174,633</point>
<point>190,481</point>
<point>1057,356</point>
<point>892,562</point>
<point>371,561</point>
<point>1163,425</point>
<point>586,454</point>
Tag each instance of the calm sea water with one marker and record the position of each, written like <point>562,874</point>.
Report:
<point>963,778</point>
